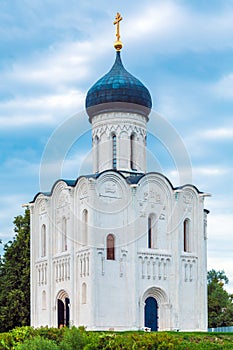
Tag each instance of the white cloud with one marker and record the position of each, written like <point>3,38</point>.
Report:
<point>81,163</point>
<point>210,170</point>
<point>41,109</point>
<point>71,63</point>
<point>71,167</point>
<point>57,66</point>
<point>172,27</point>
<point>211,143</point>
<point>220,252</point>
<point>223,89</point>
<point>60,70</point>
<point>220,227</point>
<point>221,133</point>
<point>23,166</point>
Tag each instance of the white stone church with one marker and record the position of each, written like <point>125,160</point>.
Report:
<point>120,249</point>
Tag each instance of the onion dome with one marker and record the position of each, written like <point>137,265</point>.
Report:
<point>118,91</point>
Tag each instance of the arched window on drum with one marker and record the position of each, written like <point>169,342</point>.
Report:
<point>133,152</point>
<point>114,151</point>
<point>96,145</point>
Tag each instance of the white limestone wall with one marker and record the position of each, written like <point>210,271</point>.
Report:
<point>40,264</point>
<point>190,288</point>
<point>155,264</point>
<point>110,294</point>
<point>123,125</point>
<point>110,205</point>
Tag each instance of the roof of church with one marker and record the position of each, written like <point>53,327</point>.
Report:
<point>118,85</point>
<point>130,178</point>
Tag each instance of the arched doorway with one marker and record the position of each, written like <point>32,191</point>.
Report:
<point>63,309</point>
<point>151,314</point>
<point>156,310</point>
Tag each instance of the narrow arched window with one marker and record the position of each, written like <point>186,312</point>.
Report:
<point>44,300</point>
<point>97,153</point>
<point>114,152</point>
<point>64,234</point>
<point>43,241</point>
<point>110,247</point>
<point>132,152</point>
<point>84,227</point>
<point>186,235</point>
<point>84,293</point>
<point>149,232</point>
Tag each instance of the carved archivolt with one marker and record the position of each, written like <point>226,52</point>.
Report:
<point>62,295</point>
<point>156,293</point>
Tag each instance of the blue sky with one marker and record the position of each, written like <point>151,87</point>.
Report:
<point>51,52</point>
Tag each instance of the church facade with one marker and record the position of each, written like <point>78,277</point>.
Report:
<point>120,249</point>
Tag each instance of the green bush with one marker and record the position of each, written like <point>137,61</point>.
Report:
<point>27,338</point>
<point>37,343</point>
<point>73,339</point>
<point>15,336</point>
<point>5,340</point>
<point>55,334</point>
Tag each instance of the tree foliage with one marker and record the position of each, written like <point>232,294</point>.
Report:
<point>217,276</point>
<point>15,277</point>
<point>220,306</point>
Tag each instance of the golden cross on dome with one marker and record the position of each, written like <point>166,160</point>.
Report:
<point>118,44</point>
<point>118,18</point>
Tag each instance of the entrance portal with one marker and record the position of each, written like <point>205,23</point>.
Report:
<point>63,312</point>
<point>151,313</point>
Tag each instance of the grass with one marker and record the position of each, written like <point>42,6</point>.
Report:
<point>70,339</point>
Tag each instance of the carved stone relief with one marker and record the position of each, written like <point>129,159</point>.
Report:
<point>110,191</point>
<point>63,199</point>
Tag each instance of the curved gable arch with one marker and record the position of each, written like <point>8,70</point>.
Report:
<point>159,181</point>
<point>58,190</point>
<point>41,201</point>
<point>81,188</point>
<point>116,177</point>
